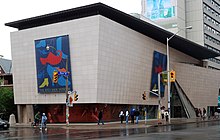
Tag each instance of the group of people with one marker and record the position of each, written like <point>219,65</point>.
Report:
<point>40,120</point>
<point>201,113</point>
<point>134,113</point>
<point>123,116</point>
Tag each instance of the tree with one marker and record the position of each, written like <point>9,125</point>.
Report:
<point>7,106</point>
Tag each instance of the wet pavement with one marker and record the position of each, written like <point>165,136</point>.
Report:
<point>192,131</point>
<point>143,130</point>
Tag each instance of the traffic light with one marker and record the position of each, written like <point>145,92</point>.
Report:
<point>172,76</point>
<point>164,78</point>
<point>144,96</point>
<point>55,77</point>
<point>75,96</point>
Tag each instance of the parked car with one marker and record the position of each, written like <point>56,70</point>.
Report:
<point>4,124</point>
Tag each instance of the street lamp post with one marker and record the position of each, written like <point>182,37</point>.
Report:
<point>159,95</point>
<point>66,90</point>
<point>67,107</point>
<point>159,98</point>
<point>168,69</point>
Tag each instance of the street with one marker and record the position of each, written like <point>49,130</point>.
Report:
<point>191,131</point>
<point>202,131</point>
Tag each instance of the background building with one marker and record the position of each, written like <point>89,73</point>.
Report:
<point>112,58</point>
<point>6,72</point>
<point>202,15</point>
<point>169,14</point>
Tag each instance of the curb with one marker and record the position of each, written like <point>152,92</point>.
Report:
<point>115,125</point>
<point>189,122</point>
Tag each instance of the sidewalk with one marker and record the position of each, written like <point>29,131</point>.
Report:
<point>118,125</point>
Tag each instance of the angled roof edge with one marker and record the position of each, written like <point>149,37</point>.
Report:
<point>6,65</point>
<point>188,47</point>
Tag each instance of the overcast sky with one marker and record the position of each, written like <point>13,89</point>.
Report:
<point>13,10</point>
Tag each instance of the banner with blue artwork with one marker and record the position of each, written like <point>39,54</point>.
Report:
<point>53,54</point>
<point>159,65</point>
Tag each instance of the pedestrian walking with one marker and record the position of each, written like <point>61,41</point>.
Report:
<point>204,113</point>
<point>166,113</point>
<point>37,119</point>
<point>137,113</point>
<point>121,115</point>
<point>43,121</point>
<point>200,113</point>
<point>132,115</point>
<point>100,116</point>
<point>162,112</point>
<point>127,116</point>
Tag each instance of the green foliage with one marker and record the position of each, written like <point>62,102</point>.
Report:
<point>7,106</point>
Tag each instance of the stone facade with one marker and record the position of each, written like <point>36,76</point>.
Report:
<point>111,64</point>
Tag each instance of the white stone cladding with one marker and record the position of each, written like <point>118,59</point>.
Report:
<point>83,39</point>
<point>201,85</point>
<point>110,63</point>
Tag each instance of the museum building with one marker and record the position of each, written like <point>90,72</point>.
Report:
<point>111,58</point>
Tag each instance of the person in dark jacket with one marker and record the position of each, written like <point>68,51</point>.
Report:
<point>37,118</point>
<point>137,114</point>
<point>200,113</point>
<point>166,113</point>
<point>204,115</point>
<point>121,115</point>
<point>132,115</point>
<point>100,116</point>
